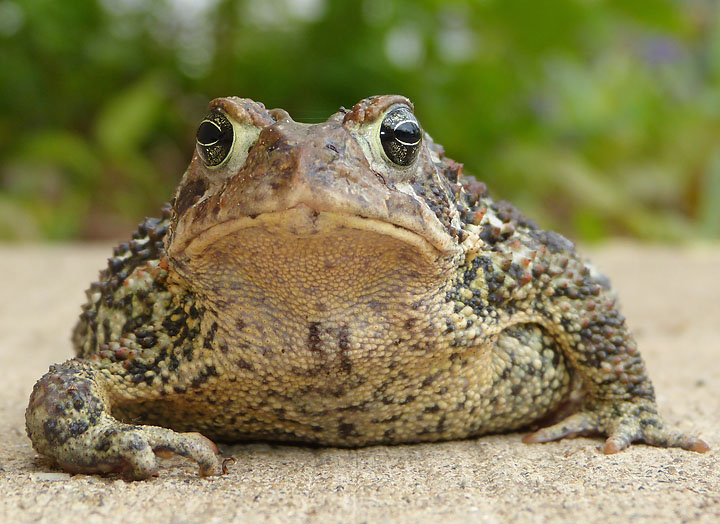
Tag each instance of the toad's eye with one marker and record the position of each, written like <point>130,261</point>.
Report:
<point>401,136</point>
<point>214,138</point>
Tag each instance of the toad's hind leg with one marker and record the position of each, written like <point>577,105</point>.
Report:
<point>530,378</point>
<point>68,419</point>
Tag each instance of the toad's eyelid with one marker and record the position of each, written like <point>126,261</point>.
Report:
<point>395,107</point>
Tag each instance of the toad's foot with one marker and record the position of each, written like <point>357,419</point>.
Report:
<point>133,451</point>
<point>623,422</point>
<point>68,420</point>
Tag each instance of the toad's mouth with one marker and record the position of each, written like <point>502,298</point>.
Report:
<point>303,222</point>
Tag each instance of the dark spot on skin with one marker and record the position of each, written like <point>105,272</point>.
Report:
<point>410,323</point>
<point>338,393</point>
<point>353,408</point>
<point>347,430</point>
<point>429,380</point>
<point>644,423</point>
<point>189,194</point>
<point>148,342</point>
<point>204,376</point>
<point>174,327</point>
<point>516,271</point>
<point>105,440</point>
<point>441,425</point>
<point>344,346</point>
<point>376,305</point>
<point>555,242</point>
<point>77,428</point>
<point>314,336</point>
<point>394,418</point>
<point>53,433</point>
<point>507,212</point>
<point>344,338</point>
<point>201,207</point>
<point>115,264</point>
<point>244,364</point>
<point>136,444</point>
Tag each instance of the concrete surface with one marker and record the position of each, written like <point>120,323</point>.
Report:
<point>671,298</point>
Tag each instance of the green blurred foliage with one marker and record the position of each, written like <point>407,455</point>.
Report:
<point>595,117</point>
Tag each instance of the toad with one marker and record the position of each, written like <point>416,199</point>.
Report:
<point>342,284</point>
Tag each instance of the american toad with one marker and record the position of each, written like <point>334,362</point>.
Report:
<point>339,283</point>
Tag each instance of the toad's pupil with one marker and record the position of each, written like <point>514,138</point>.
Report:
<point>208,133</point>
<point>407,133</point>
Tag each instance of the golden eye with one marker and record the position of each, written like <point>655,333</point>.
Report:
<point>215,138</point>
<point>401,136</point>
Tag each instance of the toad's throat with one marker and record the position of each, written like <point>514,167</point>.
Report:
<point>314,265</point>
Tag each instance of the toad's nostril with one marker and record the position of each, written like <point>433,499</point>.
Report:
<point>279,114</point>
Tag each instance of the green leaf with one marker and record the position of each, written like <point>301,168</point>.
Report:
<point>65,149</point>
<point>130,117</point>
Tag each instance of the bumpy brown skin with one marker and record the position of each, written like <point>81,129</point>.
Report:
<point>309,290</point>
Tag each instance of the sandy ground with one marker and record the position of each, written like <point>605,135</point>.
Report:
<point>670,297</point>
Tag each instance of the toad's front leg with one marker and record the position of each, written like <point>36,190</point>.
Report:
<point>68,419</point>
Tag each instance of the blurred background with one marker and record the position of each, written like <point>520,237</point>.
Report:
<point>597,118</point>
